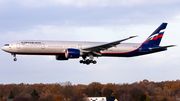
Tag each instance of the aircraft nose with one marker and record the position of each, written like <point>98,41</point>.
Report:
<point>3,48</point>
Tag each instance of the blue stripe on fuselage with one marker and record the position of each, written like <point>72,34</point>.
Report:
<point>140,51</point>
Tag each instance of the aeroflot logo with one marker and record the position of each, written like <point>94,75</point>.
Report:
<point>153,36</point>
<point>30,43</point>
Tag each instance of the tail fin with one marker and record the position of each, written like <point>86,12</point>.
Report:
<point>155,38</point>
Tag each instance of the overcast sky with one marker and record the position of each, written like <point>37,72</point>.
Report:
<point>89,20</point>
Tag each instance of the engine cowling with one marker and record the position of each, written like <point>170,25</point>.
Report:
<point>72,53</point>
<point>61,57</point>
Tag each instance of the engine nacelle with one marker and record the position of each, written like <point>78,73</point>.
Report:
<point>61,57</point>
<point>72,53</point>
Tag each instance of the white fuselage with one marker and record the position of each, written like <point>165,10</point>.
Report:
<point>59,47</point>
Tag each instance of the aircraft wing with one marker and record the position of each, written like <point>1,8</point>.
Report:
<point>98,48</point>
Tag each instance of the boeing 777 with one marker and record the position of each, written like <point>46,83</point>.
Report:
<point>64,50</point>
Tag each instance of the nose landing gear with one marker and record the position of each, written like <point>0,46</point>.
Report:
<point>15,59</point>
<point>14,55</point>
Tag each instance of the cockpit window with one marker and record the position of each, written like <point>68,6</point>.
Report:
<point>6,45</point>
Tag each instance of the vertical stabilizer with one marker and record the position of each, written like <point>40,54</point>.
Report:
<point>155,38</point>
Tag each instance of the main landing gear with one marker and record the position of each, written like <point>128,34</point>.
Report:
<point>88,61</point>
<point>14,55</point>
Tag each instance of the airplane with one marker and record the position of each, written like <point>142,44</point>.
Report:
<point>64,50</point>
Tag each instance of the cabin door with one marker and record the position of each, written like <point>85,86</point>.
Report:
<point>18,45</point>
<point>42,46</point>
<point>80,46</point>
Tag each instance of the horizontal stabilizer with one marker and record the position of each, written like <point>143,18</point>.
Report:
<point>162,47</point>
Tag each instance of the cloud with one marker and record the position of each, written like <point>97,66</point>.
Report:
<point>23,14</point>
<point>83,3</point>
<point>77,33</point>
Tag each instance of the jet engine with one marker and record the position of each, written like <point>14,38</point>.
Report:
<point>72,53</point>
<point>61,57</point>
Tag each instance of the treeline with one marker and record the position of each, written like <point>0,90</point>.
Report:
<point>138,91</point>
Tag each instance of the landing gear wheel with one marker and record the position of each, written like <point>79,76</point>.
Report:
<point>94,62</point>
<point>15,59</point>
<point>87,61</point>
<point>84,62</point>
<point>81,61</point>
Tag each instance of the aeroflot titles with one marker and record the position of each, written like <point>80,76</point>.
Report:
<point>30,43</point>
